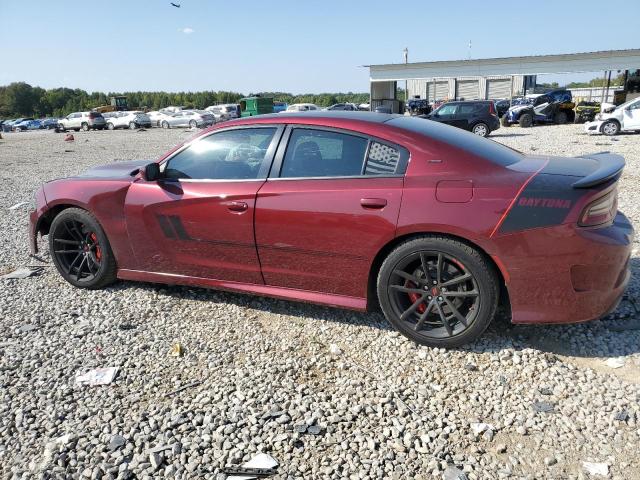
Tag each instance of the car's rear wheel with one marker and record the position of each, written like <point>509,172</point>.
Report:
<point>504,121</point>
<point>165,124</point>
<point>193,124</point>
<point>80,249</point>
<point>481,129</point>
<point>132,125</point>
<point>85,127</point>
<point>610,128</point>
<point>110,126</point>
<point>438,291</point>
<point>526,120</point>
<point>561,118</point>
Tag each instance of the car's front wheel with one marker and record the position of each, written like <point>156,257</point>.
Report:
<point>80,249</point>
<point>132,125</point>
<point>561,118</point>
<point>110,126</point>
<point>85,127</point>
<point>165,124</point>
<point>481,129</point>
<point>526,120</point>
<point>610,128</point>
<point>193,124</point>
<point>438,291</point>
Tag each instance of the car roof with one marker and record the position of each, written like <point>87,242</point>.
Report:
<point>372,117</point>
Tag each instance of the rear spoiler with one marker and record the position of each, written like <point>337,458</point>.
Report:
<point>610,167</point>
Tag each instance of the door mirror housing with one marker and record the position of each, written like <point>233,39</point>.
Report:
<point>151,172</point>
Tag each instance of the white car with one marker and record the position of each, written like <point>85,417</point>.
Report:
<point>82,120</point>
<point>224,112</point>
<point>623,118</point>
<point>188,118</point>
<point>131,120</point>
<point>301,107</point>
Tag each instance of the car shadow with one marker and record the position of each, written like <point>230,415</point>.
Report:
<point>506,135</point>
<point>616,335</point>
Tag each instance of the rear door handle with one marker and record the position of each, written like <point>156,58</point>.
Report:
<point>373,202</point>
<point>237,206</point>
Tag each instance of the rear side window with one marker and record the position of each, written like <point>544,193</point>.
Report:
<point>382,159</point>
<point>319,153</point>
<point>229,155</point>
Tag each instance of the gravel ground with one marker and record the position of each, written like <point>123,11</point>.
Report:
<point>268,369</point>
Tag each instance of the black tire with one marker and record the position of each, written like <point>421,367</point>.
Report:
<point>561,118</point>
<point>193,124</point>
<point>94,265</point>
<point>464,274</point>
<point>61,128</point>
<point>76,129</point>
<point>110,126</point>
<point>85,127</point>
<point>578,119</point>
<point>610,128</point>
<point>481,129</point>
<point>132,125</point>
<point>525,120</point>
<point>165,124</point>
<point>504,121</point>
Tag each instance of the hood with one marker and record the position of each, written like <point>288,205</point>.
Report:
<point>517,108</point>
<point>116,171</point>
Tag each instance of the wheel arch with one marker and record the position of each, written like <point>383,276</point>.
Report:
<point>44,222</point>
<point>372,296</point>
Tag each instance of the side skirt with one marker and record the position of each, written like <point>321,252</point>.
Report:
<point>341,301</point>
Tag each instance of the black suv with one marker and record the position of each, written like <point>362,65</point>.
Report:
<point>477,116</point>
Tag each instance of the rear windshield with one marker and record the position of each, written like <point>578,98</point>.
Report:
<point>483,147</point>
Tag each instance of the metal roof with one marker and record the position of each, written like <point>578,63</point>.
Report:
<point>526,65</point>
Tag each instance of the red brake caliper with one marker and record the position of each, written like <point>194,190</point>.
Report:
<point>414,297</point>
<point>94,239</point>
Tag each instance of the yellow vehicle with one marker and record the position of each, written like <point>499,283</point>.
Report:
<point>118,104</point>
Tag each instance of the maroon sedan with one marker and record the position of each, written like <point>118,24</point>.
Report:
<point>436,226</point>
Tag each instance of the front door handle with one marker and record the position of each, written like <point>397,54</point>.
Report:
<point>373,202</point>
<point>237,206</point>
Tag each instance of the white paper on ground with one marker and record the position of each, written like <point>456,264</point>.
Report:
<point>22,272</point>
<point>97,376</point>
<point>596,468</point>
<point>261,460</point>
<point>18,205</point>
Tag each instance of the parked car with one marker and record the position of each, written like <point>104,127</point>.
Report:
<point>131,120</point>
<point>551,107</point>
<point>301,107</point>
<point>227,111</point>
<point>586,111</point>
<point>443,240</point>
<point>279,107</point>
<point>625,117</point>
<point>49,123</point>
<point>350,107</point>
<point>478,116</point>
<point>82,120</point>
<point>418,106</point>
<point>25,124</point>
<point>188,118</point>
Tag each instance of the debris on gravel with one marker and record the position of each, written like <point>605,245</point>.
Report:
<point>253,369</point>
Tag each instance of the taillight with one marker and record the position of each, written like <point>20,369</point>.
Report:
<point>601,211</point>
<point>492,108</point>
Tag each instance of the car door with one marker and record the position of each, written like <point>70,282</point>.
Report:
<point>445,114</point>
<point>462,116</point>
<point>197,220</point>
<point>329,205</point>
<point>631,117</point>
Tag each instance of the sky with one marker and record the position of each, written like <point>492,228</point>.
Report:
<point>303,46</point>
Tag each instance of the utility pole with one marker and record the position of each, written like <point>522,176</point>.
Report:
<point>405,54</point>
<point>469,56</point>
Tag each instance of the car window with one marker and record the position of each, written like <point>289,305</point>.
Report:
<point>229,155</point>
<point>466,109</point>
<point>447,110</point>
<point>382,159</point>
<point>634,106</point>
<point>321,153</point>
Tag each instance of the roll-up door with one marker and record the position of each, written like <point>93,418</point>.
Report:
<point>440,88</point>
<point>498,88</point>
<point>467,89</point>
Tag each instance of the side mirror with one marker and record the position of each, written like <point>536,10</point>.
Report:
<point>151,172</point>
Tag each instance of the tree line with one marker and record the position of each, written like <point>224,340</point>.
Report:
<point>19,99</point>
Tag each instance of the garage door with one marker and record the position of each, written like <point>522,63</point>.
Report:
<point>441,90</point>
<point>467,89</point>
<point>498,88</point>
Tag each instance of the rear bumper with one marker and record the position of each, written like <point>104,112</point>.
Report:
<point>566,274</point>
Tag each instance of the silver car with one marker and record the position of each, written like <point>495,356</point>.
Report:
<point>188,118</point>
<point>82,120</point>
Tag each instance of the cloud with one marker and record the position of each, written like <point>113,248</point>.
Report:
<point>187,30</point>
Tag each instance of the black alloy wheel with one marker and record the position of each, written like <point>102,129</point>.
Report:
<point>438,291</point>
<point>80,249</point>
